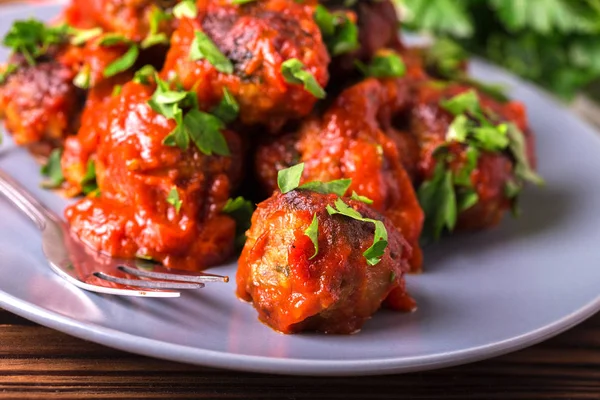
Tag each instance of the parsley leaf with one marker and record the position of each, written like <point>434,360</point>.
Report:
<point>338,186</point>
<point>438,201</point>
<point>380,240</point>
<point>228,108</point>
<point>313,233</point>
<point>192,125</point>
<point>293,72</point>
<point>185,9</point>
<point>32,38</point>
<point>241,210</point>
<point>364,199</point>
<point>385,65</point>
<point>174,200</point>
<point>154,35</point>
<point>288,179</point>
<point>203,48</point>
<point>53,171</point>
<point>88,183</point>
<point>123,63</point>
<point>338,31</point>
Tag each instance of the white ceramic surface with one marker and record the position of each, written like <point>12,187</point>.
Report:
<point>481,295</point>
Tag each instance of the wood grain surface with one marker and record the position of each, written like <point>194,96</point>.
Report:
<point>39,363</point>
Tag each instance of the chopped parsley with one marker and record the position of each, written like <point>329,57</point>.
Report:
<point>383,65</point>
<point>155,36</point>
<point>294,72</point>
<point>203,48</point>
<point>174,200</point>
<point>185,9</point>
<point>313,234</point>
<point>380,240</point>
<point>32,38</point>
<point>53,171</point>
<point>289,179</point>
<point>192,125</point>
<point>241,211</point>
<point>338,31</point>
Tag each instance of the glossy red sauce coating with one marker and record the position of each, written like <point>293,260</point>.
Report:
<point>136,172</point>
<point>350,142</point>
<point>130,18</point>
<point>257,37</point>
<point>334,292</point>
<point>39,104</point>
<point>430,122</point>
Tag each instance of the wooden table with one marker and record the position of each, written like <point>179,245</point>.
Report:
<point>37,362</point>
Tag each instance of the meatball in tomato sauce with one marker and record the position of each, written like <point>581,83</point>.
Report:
<point>296,286</point>
<point>350,142</point>
<point>487,162</point>
<point>247,46</point>
<point>156,200</point>
<point>40,105</point>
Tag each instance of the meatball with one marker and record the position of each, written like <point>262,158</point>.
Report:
<point>130,18</point>
<point>156,200</point>
<point>39,103</point>
<point>336,291</point>
<point>349,141</point>
<point>493,171</point>
<point>42,103</point>
<point>257,38</point>
<point>378,29</point>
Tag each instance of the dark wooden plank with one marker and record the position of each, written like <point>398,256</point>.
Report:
<point>36,362</point>
<point>7,318</point>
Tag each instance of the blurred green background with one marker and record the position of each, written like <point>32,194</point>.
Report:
<point>555,43</point>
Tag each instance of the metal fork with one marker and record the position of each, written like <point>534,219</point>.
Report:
<point>94,271</point>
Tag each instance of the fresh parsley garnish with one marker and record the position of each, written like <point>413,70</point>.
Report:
<point>289,179</point>
<point>449,192</point>
<point>53,170</point>
<point>124,62</point>
<point>143,75</point>
<point>364,199</point>
<point>380,240</point>
<point>339,32</point>
<point>185,9</point>
<point>155,36</point>
<point>33,39</point>
<point>228,108</point>
<point>241,211</point>
<point>81,36</point>
<point>338,186</point>
<point>88,183</point>
<point>203,48</point>
<point>83,78</point>
<point>383,65</point>
<point>174,200</point>
<point>192,125</point>
<point>313,234</point>
<point>294,72</point>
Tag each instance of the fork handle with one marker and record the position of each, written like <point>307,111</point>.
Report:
<point>20,197</point>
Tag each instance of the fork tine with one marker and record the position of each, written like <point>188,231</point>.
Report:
<point>173,277</point>
<point>148,284</point>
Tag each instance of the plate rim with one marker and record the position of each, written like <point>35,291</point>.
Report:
<point>293,366</point>
<point>285,366</point>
